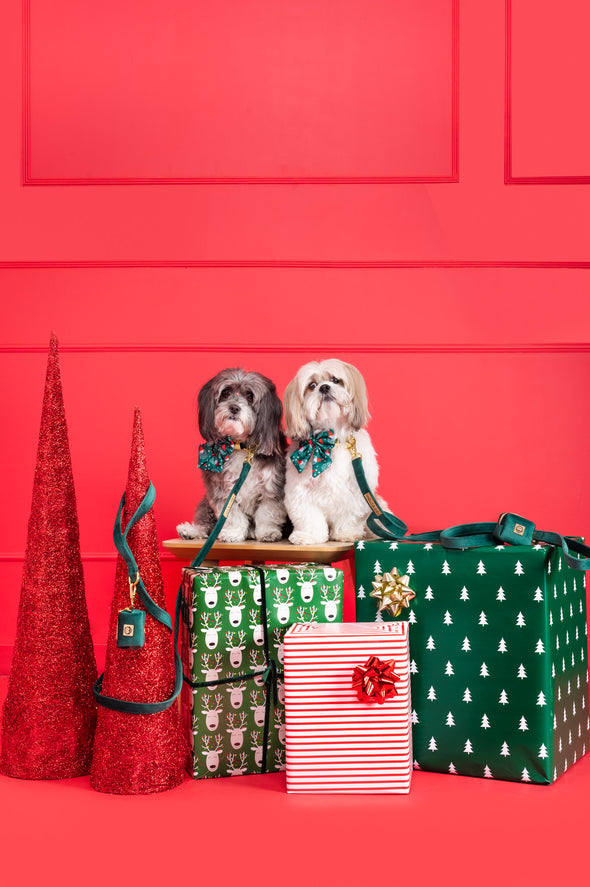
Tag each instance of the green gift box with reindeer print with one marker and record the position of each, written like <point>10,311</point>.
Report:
<point>231,640</point>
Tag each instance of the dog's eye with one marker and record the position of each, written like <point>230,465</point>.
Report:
<point>336,381</point>
<point>312,385</point>
<point>249,397</point>
<point>225,393</point>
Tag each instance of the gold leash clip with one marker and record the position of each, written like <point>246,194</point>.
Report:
<point>351,445</point>
<point>132,592</point>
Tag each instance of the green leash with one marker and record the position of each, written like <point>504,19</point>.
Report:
<point>136,582</point>
<point>509,529</point>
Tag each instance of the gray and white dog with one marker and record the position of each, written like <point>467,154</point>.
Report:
<point>237,410</point>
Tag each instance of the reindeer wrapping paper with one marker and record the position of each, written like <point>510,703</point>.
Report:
<point>234,719</point>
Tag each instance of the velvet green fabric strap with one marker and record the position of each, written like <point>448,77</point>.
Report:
<point>512,529</point>
<point>122,546</point>
<point>224,512</point>
<point>383,523</point>
<point>509,529</point>
<point>144,708</point>
<point>120,540</point>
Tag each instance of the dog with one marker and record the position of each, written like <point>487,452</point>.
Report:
<point>238,410</point>
<point>325,404</point>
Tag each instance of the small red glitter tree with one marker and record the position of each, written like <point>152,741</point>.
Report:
<point>49,714</point>
<point>138,753</point>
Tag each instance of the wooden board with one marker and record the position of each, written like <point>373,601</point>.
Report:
<point>260,552</point>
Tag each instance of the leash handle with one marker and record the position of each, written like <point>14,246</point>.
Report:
<point>135,581</point>
<point>509,529</point>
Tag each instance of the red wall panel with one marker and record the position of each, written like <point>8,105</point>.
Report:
<point>185,91</point>
<point>547,91</point>
<point>465,304</point>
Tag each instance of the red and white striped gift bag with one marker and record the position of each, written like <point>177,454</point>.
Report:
<point>336,743</point>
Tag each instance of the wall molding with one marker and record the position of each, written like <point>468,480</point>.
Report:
<point>302,348</point>
<point>29,180</point>
<point>509,178</point>
<point>303,264</point>
<point>11,557</point>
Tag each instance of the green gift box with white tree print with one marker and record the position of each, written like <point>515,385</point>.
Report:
<point>233,620</point>
<point>498,650</point>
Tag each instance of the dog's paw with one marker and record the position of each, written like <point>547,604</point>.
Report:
<point>188,530</point>
<point>231,536</point>
<point>350,534</point>
<point>300,537</point>
<point>272,534</point>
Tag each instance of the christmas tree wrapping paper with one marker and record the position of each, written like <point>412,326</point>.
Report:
<point>347,707</point>
<point>498,641</point>
<point>232,628</point>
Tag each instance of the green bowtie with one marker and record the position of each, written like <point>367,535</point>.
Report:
<point>213,456</point>
<point>317,448</point>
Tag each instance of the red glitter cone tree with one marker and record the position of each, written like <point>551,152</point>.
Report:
<point>49,714</point>
<point>138,753</point>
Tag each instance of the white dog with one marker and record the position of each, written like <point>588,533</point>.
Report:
<point>237,410</point>
<point>326,404</point>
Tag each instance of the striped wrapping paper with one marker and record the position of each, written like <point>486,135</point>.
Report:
<point>334,742</point>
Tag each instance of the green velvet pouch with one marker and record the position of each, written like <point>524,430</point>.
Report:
<point>131,628</point>
<point>514,530</point>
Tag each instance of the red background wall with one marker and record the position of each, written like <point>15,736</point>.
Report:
<point>187,186</point>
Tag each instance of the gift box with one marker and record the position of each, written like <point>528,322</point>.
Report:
<point>233,620</point>
<point>347,706</point>
<point>498,638</point>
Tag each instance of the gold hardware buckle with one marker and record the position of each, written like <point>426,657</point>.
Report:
<point>132,587</point>
<point>351,445</point>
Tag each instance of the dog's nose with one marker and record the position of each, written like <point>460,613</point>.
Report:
<point>234,409</point>
<point>324,389</point>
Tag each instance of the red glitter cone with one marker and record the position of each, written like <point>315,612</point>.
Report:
<point>49,714</point>
<point>138,753</point>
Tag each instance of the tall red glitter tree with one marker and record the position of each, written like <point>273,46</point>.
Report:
<point>49,714</point>
<point>138,753</point>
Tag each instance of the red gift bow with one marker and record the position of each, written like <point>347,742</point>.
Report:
<point>375,680</point>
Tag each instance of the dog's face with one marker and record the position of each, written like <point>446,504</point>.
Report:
<point>244,406</point>
<point>329,394</point>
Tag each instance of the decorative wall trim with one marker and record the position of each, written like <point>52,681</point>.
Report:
<point>303,348</point>
<point>510,179</point>
<point>11,557</point>
<point>28,179</point>
<point>327,264</point>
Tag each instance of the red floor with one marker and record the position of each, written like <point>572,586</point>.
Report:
<point>248,831</point>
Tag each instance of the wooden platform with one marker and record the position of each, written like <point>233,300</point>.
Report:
<point>262,552</point>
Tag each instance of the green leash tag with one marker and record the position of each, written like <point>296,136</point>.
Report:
<point>131,628</point>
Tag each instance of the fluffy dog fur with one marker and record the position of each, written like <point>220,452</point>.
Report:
<point>244,406</point>
<point>323,396</point>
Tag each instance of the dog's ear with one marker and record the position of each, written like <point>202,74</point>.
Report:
<point>206,407</point>
<point>297,424</point>
<point>268,434</point>
<point>359,413</point>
